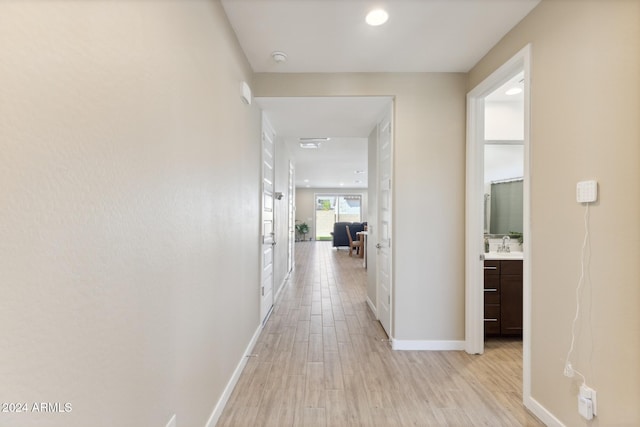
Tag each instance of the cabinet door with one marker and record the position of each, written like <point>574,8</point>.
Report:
<point>492,319</point>
<point>511,305</point>
<point>492,297</point>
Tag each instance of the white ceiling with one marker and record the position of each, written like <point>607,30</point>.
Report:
<point>331,36</point>
<point>348,121</point>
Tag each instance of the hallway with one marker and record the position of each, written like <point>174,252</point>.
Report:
<point>323,360</point>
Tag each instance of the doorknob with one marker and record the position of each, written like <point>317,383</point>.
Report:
<point>273,243</point>
<point>379,246</point>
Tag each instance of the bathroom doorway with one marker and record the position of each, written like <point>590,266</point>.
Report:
<point>486,103</point>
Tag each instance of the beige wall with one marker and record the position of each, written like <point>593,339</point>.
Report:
<point>585,124</point>
<point>429,164</point>
<point>129,223</point>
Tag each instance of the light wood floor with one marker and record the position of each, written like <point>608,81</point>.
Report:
<point>322,360</point>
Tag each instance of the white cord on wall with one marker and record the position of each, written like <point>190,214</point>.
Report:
<point>569,371</point>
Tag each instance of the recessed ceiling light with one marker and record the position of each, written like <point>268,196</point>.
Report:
<point>309,144</point>
<point>358,172</point>
<point>513,91</point>
<point>306,180</point>
<point>377,17</point>
<point>357,181</point>
<point>313,139</point>
<point>312,142</point>
<point>342,184</point>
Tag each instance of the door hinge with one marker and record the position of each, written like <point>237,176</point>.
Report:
<point>263,291</point>
<point>389,302</point>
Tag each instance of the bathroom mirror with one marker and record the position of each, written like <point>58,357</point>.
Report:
<point>503,187</point>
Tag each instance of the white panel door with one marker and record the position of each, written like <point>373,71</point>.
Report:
<point>384,276</point>
<point>291,194</point>
<point>268,232</point>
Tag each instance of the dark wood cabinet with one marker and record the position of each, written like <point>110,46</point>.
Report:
<point>503,297</point>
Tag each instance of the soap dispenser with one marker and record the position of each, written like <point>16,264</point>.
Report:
<point>486,245</point>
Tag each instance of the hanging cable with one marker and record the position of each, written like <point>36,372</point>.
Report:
<point>569,371</point>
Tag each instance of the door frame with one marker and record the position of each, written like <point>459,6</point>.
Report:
<point>267,238</point>
<point>474,226</point>
<point>381,187</point>
<point>291,212</point>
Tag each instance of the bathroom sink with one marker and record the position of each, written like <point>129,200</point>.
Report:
<point>503,255</point>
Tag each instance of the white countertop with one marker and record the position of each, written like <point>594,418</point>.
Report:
<point>503,255</point>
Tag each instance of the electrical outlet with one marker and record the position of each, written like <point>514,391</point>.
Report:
<point>585,408</point>
<point>587,402</point>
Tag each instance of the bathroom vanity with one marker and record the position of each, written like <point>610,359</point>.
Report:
<point>502,295</point>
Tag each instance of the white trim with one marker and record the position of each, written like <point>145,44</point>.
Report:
<point>284,282</point>
<point>217,411</point>
<point>426,345</point>
<point>474,327</point>
<point>389,112</point>
<point>542,413</point>
<point>372,307</point>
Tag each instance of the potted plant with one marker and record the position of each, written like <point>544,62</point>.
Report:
<point>302,229</point>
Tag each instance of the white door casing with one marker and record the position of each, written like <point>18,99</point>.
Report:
<point>474,223</point>
<point>291,194</point>
<point>267,221</point>
<point>384,276</point>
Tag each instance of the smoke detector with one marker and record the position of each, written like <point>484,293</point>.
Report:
<point>279,57</point>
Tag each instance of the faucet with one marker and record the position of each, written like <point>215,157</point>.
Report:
<point>505,244</point>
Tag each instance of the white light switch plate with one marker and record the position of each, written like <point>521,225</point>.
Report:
<point>587,191</point>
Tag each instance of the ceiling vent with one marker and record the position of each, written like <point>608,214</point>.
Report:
<point>312,142</point>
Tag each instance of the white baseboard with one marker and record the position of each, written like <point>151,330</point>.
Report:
<point>372,307</point>
<point>427,345</point>
<point>280,288</point>
<point>542,413</point>
<point>217,411</point>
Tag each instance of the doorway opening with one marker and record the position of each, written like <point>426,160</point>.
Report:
<point>351,161</point>
<point>497,130</point>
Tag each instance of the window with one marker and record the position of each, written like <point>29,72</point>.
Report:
<point>332,208</point>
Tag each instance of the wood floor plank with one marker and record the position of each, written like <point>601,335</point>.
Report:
<point>302,330</point>
<point>329,339</point>
<point>332,371</point>
<point>292,401</point>
<point>342,331</point>
<point>316,353</point>
<point>314,392</point>
<point>314,417</point>
<point>323,359</point>
<point>337,410</point>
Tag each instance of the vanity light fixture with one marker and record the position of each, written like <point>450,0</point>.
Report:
<point>377,17</point>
